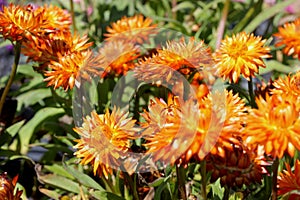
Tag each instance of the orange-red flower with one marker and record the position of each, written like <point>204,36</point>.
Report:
<point>288,35</point>
<point>240,166</point>
<point>221,120</point>
<point>177,56</point>
<point>7,188</point>
<point>105,139</point>
<point>48,49</point>
<point>240,54</point>
<point>133,29</point>
<point>27,23</point>
<point>288,87</point>
<point>18,23</point>
<point>63,73</point>
<point>205,128</point>
<point>169,127</point>
<point>275,124</point>
<point>119,57</point>
<point>289,182</point>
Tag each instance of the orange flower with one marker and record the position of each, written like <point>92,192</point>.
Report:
<point>288,87</point>
<point>176,56</point>
<point>105,139</point>
<point>18,23</point>
<point>240,54</point>
<point>289,182</point>
<point>7,187</point>
<point>119,57</point>
<point>64,71</point>
<point>54,19</point>
<point>275,124</point>
<point>221,120</point>
<point>206,129</point>
<point>48,49</point>
<point>167,127</point>
<point>240,166</point>
<point>134,29</point>
<point>288,36</point>
<point>26,23</point>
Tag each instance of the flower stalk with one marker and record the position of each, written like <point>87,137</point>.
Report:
<point>180,172</point>
<point>274,179</point>
<point>17,49</point>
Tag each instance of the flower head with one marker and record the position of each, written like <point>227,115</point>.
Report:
<point>240,54</point>
<point>63,73</point>
<point>240,166</point>
<point>119,57</point>
<point>177,56</point>
<point>288,87</point>
<point>133,29</point>
<point>289,182</point>
<point>288,36</point>
<point>18,23</point>
<point>168,126</point>
<point>221,119</point>
<point>7,187</point>
<point>105,139</point>
<point>275,124</point>
<point>29,23</point>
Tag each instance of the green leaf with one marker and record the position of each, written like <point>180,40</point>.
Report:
<point>217,190</point>
<point>83,178</point>
<point>59,170</point>
<point>272,65</point>
<point>105,195</point>
<point>60,182</point>
<point>183,5</point>
<point>157,182</point>
<point>32,97</point>
<point>264,15</point>
<point>28,129</point>
<point>13,129</point>
<point>50,193</point>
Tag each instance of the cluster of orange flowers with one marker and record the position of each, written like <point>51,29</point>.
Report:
<point>217,127</point>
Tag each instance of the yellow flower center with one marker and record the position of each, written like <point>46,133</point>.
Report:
<point>237,50</point>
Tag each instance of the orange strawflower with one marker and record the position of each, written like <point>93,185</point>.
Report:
<point>211,126</point>
<point>240,54</point>
<point>289,182</point>
<point>27,23</point>
<point>64,72</point>
<point>54,19</point>
<point>288,87</point>
<point>222,116</point>
<point>135,29</point>
<point>20,23</point>
<point>168,126</point>
<point>7,188</point>
<point>61,44</point>
<point>288,35</point>
<point>105,139</point>
<point>275,124</point>
<point>119,57</point>
<point>181,56</point>
<point>240,166</point>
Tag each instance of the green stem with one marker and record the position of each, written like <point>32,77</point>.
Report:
<point>181,181</point>
<point>73,15</point>
<point>17,49</point>
<point>274,179</point>
<point>221,26</point>
<point>203,179</point>
<point>132,185</point>
<point>251,93</point>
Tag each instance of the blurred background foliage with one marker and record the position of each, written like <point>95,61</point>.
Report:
<point>37,129</point>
